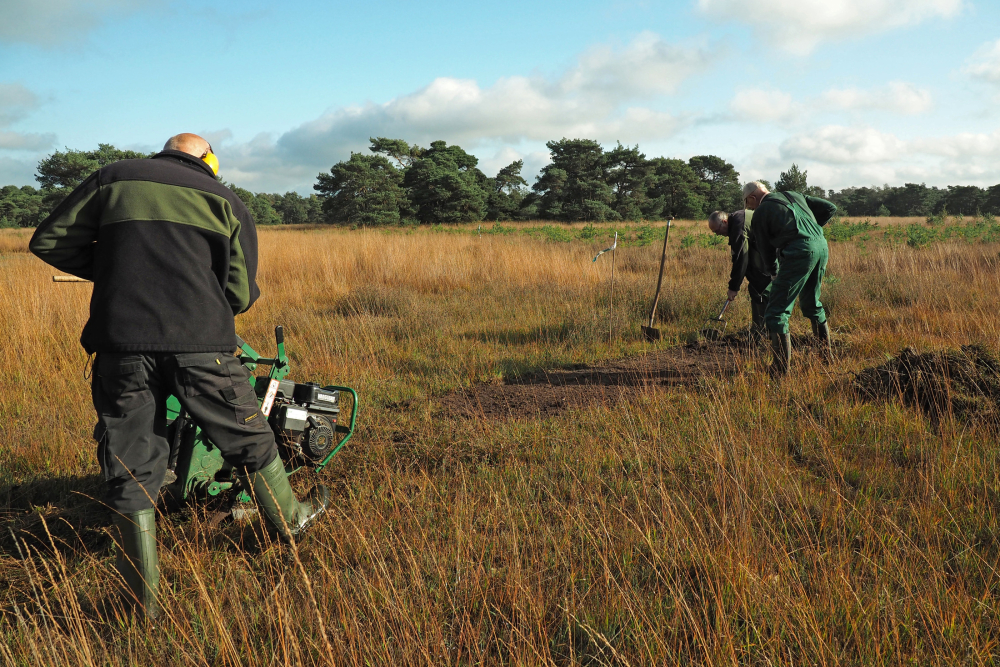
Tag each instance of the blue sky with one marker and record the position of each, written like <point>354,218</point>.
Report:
<point>858,92</point>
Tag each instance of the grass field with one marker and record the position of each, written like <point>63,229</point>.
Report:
<point>727,519</point>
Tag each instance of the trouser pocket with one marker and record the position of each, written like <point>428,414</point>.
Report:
<point>217,387</point>
<point>215,390</point>
<point>119,384</point>
<point>126,445</point>
<point>121,396</point>
<point>244,401</point>
<point>204,372</point>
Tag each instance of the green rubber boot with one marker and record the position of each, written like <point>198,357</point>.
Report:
<point>822,331</point>
<point>781,351</point>
<point>277,501</point>
<point>137,562</point>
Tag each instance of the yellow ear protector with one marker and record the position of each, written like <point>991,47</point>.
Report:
<point>210,159</point>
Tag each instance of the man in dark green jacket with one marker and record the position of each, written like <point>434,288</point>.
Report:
<point>172,254</point>
<point>747,263</point>
<point>788,225</point>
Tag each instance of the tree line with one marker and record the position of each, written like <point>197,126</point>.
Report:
<point>442,183</point>
<point>913,199</point>
<point>396,182</point>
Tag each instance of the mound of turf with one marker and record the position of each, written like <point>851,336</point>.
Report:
<point>964,383</point>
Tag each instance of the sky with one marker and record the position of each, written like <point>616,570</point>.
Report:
<point>857,92</point>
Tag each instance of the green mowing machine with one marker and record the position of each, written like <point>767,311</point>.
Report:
<point>305,418</point>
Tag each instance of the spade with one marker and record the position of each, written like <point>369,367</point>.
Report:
<point>716,326</point>
<point>649,332</point>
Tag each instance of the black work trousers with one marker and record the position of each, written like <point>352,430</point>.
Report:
<point>130,392</point>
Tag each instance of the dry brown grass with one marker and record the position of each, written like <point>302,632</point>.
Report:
<point>736,522</point>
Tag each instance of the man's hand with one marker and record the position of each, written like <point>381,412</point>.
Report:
<point>733,294</point>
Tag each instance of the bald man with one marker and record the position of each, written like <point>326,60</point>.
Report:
<point>789,225</point>
<point>747,263</point>
<point>173,256</point>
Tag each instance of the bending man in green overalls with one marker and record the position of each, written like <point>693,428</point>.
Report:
<point>788,225</point>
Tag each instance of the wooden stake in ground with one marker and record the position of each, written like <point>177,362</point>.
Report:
<point>611,308</point>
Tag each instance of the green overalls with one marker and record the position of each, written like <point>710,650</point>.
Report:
<point>789,225</point>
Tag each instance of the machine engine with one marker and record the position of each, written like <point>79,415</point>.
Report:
<point>303,417</point>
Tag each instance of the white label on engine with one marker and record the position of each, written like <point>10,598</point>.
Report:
<point>272,391</point>
<point>295,413</point>
<point>327,398</point>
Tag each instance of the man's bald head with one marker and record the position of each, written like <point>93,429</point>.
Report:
<point>188,143</point>
<point>753,193</point>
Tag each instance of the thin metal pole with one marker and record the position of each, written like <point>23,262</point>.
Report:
<point>611,316</point>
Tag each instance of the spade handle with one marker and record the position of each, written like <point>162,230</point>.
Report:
<point>659,281</point>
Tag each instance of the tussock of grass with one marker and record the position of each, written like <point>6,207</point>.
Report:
<point>735,521</point>
<point>14,240</point>
<point>376,301</point>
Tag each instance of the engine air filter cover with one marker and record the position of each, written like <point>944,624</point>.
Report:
<point>292,418</point>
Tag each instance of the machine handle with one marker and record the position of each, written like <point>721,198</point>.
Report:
<point>279,369</point>
<point>349,430</point>
<point>263,361</point>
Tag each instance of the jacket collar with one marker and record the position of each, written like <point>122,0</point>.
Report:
<point>188,159</point>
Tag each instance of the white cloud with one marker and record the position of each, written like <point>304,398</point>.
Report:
<point>216,137</point>
<point>838,156</point>
<point>14,171</point>
<point>837,144</point>
<point>26,141</point>
<point>52,22</point>
<point>964,145</point>
<point>898,97</point>
<point>763,106</point>
<point>647,67</point>
<point>590,100</point>
<point>16,102</point>
<point>799,26</point>
<point>583,102</point>
<point>985,63</point>
<point>257,165</point>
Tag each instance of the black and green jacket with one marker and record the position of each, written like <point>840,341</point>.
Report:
<point>788,218</point>
<point>747,262</point>
<point>172,253</point>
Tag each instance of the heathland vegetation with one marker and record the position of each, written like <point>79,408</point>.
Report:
<point>531,482</point>
<point>398,183</point>
<point>523,490</point>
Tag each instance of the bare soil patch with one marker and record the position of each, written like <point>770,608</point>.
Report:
<point>551,392</point>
